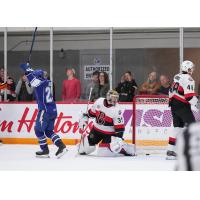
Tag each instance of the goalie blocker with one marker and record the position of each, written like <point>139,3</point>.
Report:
<point>108,128</point>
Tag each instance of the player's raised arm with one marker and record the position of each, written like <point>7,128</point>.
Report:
<point>32,75</point>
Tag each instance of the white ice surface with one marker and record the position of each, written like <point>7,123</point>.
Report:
<point>22,157</point>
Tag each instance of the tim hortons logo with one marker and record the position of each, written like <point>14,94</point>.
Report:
<point>64,124</point>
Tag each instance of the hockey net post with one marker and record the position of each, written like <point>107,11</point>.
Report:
<point>151,123</point>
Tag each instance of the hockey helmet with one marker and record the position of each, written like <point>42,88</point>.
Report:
<point>187,66</point>
<point>112,97</point>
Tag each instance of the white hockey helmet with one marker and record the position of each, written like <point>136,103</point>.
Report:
<point>187,66</point>
<point>112,97</point>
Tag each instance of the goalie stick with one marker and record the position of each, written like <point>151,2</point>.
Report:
<point>88,102</point>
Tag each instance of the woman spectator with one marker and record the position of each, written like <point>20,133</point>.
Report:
<point>151,86</point>
<point>101,89</point>
<point>23,90</point>
<point>126,88</point>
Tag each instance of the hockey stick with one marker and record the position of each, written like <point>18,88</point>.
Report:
<point>32,44</point>
<point>89,99</point>
<point>88,102</point>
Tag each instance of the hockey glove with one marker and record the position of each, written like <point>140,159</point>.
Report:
<point>26,68</point>
<point>83,121</point>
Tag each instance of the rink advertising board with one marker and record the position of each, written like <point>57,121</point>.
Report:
<point>153,122</point>
<point>17,122</point>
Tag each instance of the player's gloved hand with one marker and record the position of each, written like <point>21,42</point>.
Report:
<point>83,120</point>
<point>26,67</point>
<point>198,104</point>
<point>194,101</point>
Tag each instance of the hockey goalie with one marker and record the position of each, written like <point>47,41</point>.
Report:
<point>108,129</point>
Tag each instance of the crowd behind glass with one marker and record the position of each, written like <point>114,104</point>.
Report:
<point>21,90</point>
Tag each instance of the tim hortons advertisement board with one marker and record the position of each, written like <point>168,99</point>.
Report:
<point>153,122</point>
<point>17,122</point>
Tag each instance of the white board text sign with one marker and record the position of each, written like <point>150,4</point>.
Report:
<point>89,69</point>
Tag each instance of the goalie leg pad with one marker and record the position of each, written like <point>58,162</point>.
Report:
<point>117,145</point>
<point>84,147</point>
<point>128,149</point>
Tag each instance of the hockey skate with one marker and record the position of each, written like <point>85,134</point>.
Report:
<point>43,154</point>
<point>61,151</point>
<point>171,155</point>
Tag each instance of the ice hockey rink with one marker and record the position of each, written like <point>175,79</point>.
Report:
<point>22,157</point>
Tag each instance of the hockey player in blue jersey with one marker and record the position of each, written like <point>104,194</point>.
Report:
<point>47,112</point>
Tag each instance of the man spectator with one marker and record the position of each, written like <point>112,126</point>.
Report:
<point>165,85</point>
<point>101,89</point>
<point>151,86</point>
<point>126,88</point>
<point>23,90</point>
<point>92,84</point>
<point>71,88</point>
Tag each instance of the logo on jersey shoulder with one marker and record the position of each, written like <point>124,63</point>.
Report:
<point>120,112</point>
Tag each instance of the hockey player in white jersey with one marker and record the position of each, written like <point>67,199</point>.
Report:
<point>108,128</point>
<point>181,97</point>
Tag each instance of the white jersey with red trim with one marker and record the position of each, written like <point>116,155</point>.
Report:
<point>108,119</point>
<point>183,88</point>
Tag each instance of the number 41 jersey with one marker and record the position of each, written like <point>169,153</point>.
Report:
<point>183,88</point>
<point>108,118</point>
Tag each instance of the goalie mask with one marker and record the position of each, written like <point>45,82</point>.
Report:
<point>187,66</point>
<point>112,97</point>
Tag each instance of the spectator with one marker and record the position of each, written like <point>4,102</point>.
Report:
<point>1,75</point>
<point>71,89</point>
<point>126,88</point>
<point>101,89</point>
<point>165,85</point>
<point>23,90</point>
<point>9,87</point>
<point>92,84</point>
<point>151,86</point>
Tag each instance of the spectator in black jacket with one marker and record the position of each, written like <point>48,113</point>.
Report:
<point>165,85</point>
<point>126,88</point>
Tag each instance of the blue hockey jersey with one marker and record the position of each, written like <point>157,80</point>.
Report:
<point>42,90</point>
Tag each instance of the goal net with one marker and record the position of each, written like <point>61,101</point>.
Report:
<point>152,123</point>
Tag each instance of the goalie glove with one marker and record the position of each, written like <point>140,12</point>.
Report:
<point>83,121</point>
